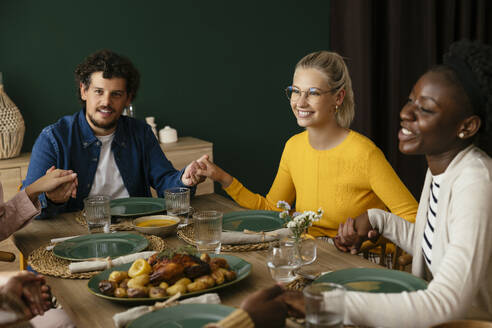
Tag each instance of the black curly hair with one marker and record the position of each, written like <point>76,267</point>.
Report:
<point>478,58</point>
<point>111,65</point>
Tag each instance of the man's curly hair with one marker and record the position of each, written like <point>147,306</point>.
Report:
<point>478,57</point>
<point>111,65</point>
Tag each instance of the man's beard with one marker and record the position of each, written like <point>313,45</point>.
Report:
<point>106,126</point>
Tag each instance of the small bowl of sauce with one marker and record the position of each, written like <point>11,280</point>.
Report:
<point>159,225</point>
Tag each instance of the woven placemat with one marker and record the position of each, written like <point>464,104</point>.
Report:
<point>186,234</point>
<point>43,261</point>
<point>123,225</point>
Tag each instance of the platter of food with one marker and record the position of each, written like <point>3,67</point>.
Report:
<point>167,273</point>
<point>185,315</point>
<point>136,206</point>
<point>374,280</point>
<point>252,220</point>
<point>100,245</point>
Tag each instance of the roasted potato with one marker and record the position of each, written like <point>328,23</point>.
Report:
<point>139,281</point>
<point>157,292</point>
<point>137,292</point>
<point>218,262</point>
<point>205,258</point>
<point>183,281</point>
<point>164,285</point>
<point>209,281</point>
<point>197,286</point>
<point>120,292</point>
<point>118,276</point>
<point>107,287</point>
<point>228,274</point>
<point>174,289</point>
<point>124,283</point>
<point>218,276</point>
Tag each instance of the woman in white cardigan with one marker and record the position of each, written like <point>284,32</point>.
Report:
<point>451,241</point>
<point>449,108</point>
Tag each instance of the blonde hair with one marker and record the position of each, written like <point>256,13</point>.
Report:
<point>334,68</point>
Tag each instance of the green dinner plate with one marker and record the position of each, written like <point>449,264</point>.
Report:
<point>100,245</point>
<point>186,315</point>
<point>252,220</point>
<point>137,206</point>
<point>374,280</point>
<point>242,268</point>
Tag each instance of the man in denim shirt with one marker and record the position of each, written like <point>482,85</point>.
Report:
<point>112,154</point>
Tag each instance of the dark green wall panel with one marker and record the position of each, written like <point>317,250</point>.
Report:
<point>215,70</point>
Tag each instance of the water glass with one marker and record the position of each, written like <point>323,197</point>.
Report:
<point>97,213</point>
<point>325,305</point>
<point>178,203</point>
<point>207,231</point>
<point>282,261</point>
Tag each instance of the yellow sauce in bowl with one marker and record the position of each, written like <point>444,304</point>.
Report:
<point>156,223</point>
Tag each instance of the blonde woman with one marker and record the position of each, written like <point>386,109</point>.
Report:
<point>328,165</point>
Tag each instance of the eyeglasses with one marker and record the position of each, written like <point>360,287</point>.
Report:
<point>313,95</point>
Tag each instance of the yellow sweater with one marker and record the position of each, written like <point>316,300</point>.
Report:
<point>344,181</point>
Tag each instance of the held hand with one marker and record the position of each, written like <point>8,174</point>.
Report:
<point>189,177</point>
<point>353,233</point>
<point>265,308</point>
<point>65,190</point>
<point>31,289</point>
<point>295,303</point>
<point>212,171</point>
<point>59,185</point>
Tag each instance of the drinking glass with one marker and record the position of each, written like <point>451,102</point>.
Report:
<point>97,213</point>
<point>207,231</point>
<point>178,204</point>
<point>324,305</point>
<point>282,261</point>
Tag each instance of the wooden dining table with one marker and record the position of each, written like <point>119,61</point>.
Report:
<point>88,310</point>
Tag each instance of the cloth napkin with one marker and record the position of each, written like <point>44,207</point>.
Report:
<point>103,264</point>
<point>251,237</point>
<point>123,318</point>
<point>58,240</point>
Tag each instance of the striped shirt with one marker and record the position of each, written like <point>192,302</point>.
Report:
<point>431,219</point>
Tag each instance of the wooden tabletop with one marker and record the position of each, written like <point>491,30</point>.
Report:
<point>87,310</point>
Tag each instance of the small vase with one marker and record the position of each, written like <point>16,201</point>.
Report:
<point>12,127</point>
<point>306,248</point>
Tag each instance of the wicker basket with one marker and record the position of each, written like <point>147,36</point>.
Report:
<point>12,127</point>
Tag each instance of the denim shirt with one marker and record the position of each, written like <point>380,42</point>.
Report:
<point>70,144</point>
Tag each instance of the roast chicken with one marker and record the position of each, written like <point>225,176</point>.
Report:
<point>179,266</point>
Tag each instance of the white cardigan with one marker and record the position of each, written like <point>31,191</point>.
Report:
<point>461,252</point>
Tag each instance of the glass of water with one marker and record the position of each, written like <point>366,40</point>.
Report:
<point>178,203</point>
<point>325,305</point>
<point>282,261</point>
<point>97,213</point>
<point>207,231</point>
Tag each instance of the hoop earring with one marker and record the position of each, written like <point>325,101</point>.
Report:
<point>461,135</point>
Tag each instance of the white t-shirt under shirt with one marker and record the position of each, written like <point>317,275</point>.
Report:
<point>107,180</point>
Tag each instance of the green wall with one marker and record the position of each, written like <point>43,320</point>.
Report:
<point>214,70</point>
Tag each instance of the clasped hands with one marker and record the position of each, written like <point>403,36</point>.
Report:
<point>58,185</point>
<point>354,232</point>
<point>30,290</point>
